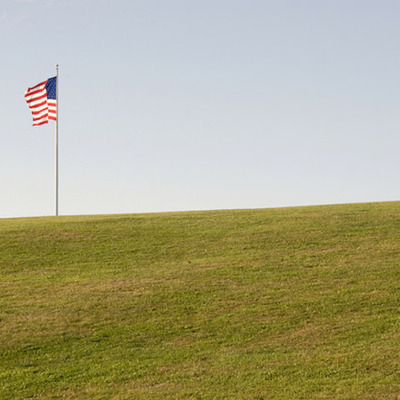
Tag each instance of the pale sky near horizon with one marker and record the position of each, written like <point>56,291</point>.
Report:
<point>197,104</point>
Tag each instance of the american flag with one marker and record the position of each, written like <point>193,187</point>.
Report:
<point>42,101</point>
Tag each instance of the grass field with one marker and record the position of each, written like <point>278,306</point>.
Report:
<point>291,303</point>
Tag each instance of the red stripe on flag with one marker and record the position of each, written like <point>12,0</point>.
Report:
<point>32,93</point>
<point>36,106</point>
<point>31,99</point>
<point>39,84</point>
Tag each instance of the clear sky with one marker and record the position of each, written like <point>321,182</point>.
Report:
<point>173,105</point>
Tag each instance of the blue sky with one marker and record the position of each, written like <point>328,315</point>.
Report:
<point>190,105</point>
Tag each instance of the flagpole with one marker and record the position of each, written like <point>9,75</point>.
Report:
<point>56,149</point>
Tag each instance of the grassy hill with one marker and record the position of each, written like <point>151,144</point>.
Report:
<point>292,303</point>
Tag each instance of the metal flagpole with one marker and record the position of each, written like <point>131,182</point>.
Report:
<point>56,149</point>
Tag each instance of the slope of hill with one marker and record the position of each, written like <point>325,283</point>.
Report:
<point>292,303</point>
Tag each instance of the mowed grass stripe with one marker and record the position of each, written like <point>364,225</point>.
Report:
<point>291,303</point>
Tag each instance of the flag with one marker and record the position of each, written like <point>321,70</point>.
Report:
<point>42,101</point>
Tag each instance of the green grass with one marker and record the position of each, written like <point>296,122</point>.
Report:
<point>292,303</point>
